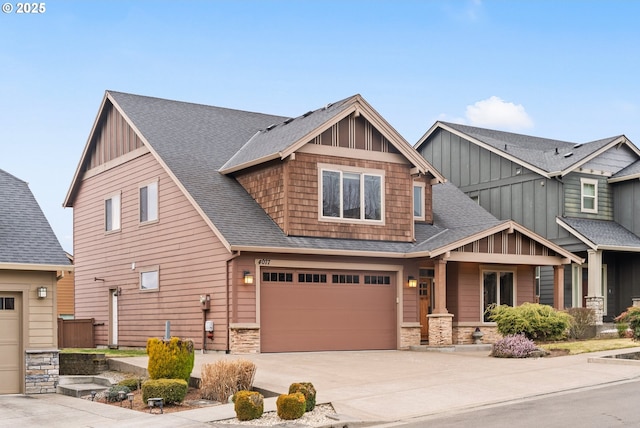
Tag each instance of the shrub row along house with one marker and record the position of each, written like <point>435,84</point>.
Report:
<point>583,197</point>
<point>326,231</point>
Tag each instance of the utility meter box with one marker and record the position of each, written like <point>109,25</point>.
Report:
<point>208,326</point>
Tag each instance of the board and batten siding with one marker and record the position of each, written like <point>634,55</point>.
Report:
<point>626,195</point>
<point>573,194</point>
<point>504,188</point>
<point>191,259</point>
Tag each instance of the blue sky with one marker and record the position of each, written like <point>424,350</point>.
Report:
<point>566,70</point>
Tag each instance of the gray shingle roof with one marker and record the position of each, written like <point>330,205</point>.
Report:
<point>25,234</point>
<point>196,141</point>
<point>603,233</point>
<point>632,170</point>
<point>544,153</point>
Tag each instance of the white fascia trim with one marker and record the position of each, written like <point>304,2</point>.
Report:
<point>601,150</point>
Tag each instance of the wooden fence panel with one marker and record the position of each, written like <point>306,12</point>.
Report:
<point>75,333</point>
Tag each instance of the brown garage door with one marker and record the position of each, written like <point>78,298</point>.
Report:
<point>322,311</point>
<point>10,333</point>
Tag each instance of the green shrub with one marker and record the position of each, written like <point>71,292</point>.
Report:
<point>309,392</point>
<point>170,390</point>
<point>622,328</point>
<point>113,393</point>
<point>632,317</point>
<point>248,405</point>
<point>133,383</point>
<point>291,406</point>
<point>170,359</point>
<point>535,321</point>
<point>583,325</point>
<point>222,379</point>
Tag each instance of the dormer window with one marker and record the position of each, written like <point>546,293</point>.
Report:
<point>589,195</point>
<point>351,195</point>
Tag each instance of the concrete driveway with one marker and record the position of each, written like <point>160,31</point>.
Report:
<point>373,387</point>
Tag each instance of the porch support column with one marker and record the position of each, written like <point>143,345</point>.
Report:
<point>440,321</point>
<point>595,298</point>
<point>440,287</point>
<point>558,287</point>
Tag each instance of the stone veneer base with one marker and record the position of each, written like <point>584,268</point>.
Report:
<point>42,372</point>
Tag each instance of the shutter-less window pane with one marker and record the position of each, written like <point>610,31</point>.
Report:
<point>351,195</point>
<point>108,217</point>
<point>144,213</point>
<point>373,197</point>
<point>330,194</point>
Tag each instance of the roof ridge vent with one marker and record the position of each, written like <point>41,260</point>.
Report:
<point>577,145</point>
<point>270,127</point>
<point>307,113</point>
<point>566,155</point>
<point>288,121</point>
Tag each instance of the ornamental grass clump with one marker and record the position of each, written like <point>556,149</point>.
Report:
<point>291,406</point>
<point>222,379</point>
<point>514,346</point>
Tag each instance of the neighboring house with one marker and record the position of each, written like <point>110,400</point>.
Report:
<point>30,257</point>
<point>584,197</point>
<point>326,231</point>
<point>66,291</point>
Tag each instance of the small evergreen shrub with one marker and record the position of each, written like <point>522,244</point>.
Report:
<point>170,359</point>
<point>535,321</point>
<point>222,379</point>
<point>583,323</point>
<point>623,330</point>
<point>170,390</point>
<point>514,346</point>
<point>291,406</point>
<point>309,392</point>
<point>113,393</point>
<point>248,405</point>
<point>632,317</point>
<point>132,383</point>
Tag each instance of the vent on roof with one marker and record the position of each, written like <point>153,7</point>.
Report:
<point>557,150</point>
<point>577,145</point>
<point>288,120</point>
<point>270,127</point>
<point>328,105</point>
<point>566,155</point>
<point>307,113</point>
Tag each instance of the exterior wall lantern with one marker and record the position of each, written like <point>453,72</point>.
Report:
<point>42,292</point>
<point>248,278</point>
<point>412,282</point>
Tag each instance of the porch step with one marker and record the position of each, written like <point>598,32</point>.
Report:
<point>79,386</point>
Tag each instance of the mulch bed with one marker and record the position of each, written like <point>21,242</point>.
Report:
<point>191,401</point>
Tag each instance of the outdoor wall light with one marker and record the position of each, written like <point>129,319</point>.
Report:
<point>248,278</point>
<point>412,282</point>
<point>42,292</point>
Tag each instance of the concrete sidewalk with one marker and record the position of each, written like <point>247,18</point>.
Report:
<point>366,387</point>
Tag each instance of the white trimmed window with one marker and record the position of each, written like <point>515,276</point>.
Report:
<point>149,202</point>
<point>150,278</point>
<point>351,194</point>
<point>418,201</point>
<point>588,195</point>
<point>112,213</point>
<point>498,288</point>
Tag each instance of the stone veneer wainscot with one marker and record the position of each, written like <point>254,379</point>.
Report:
<point>42,371</point>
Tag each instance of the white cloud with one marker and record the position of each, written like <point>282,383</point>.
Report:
<point>497,113</point>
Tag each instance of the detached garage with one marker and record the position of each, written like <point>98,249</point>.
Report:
<point>30,259</point>
<point>327,310</point>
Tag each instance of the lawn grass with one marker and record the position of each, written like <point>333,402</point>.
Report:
<point>591,345</point>
<point>107,352</point>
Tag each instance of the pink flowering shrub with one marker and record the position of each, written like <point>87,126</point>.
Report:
<point>514,346</point>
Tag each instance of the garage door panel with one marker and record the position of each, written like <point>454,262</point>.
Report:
<point>320,317</point>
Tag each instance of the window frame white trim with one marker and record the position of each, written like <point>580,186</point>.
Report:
<point>157,202</point>
<point>590,181</point>
<point>114,210</point>
<point>497,270</point>
<point>149,269</point>
<point>422,187</point>
<point>353,170</point>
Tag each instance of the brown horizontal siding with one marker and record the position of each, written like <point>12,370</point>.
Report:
<point>190,257</point>
<point>64,295</point>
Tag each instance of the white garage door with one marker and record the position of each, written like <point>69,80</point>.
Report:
<point>10,333</point>
<point>322,311</point>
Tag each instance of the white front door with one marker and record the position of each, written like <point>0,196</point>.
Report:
<point>114,318</point>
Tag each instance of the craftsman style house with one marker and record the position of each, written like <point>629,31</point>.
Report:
<point>583,197</point>
<point>30,261</point>
<point>325,231</point>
